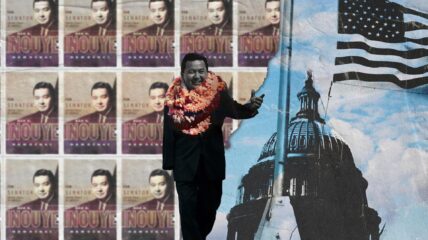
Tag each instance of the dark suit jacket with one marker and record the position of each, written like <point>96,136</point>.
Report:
<point>42,232</point>
<point>49,145</point>
<point>71,146</point>
<point>94,30</point>
<point>149,144</point>
<point>264,31</point>
<point>152,29</point>
<point>92,232</point>
<point>161,231</point>
<point>209,30</point>
<point>182,152</point>
<point>37,54</point>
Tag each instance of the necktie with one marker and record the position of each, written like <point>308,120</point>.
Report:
<point>102,205</point>
<point>102,118</point>
<point>275,32</point>
<point>44,206</point>
<point>102,31</point>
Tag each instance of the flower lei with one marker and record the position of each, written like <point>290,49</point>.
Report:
<point>191,110</point>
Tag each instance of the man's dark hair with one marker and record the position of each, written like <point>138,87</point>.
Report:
<point>271,1</point>
<point>54,8</point>
<point>156,85</point>
<point>103,172</point>
<point>192,57</point>
<point>109,3</point>
<point>47,85</point>
<point>45,172</point>
<point>167,4</point>
<point>105,85</point>
<point>168,179</point>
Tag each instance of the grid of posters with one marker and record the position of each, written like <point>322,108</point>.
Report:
<point>81,105</point>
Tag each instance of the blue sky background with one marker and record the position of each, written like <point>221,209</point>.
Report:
<point>386,127</point>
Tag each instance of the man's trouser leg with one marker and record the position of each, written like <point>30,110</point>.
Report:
<point>209,198</point>
<point>188,206</point>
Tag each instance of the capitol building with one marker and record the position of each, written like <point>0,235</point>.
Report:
<point>327,192</point>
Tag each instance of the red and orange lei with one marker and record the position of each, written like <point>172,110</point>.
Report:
<point>191,110</point>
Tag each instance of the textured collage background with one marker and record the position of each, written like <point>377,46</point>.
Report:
<point>131,84</point>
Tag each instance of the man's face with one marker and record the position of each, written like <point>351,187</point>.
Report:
<point>100,99</point>
<point>216,12</point>
<point>100,12</point>
<point>158,12</point>
<point>157,99</point>
<point>272,12</point>
<point>194,73</point>
<point>158,186</point>
<point>42,12</point>
<point>42,99</point>
<point>42,187</point>
<point>100,187</point>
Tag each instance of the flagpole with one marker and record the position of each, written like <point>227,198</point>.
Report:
<point>284,96</point>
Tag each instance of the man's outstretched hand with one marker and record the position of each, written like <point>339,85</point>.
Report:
<point>255,102</point>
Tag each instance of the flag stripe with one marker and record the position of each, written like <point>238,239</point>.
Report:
<point>411,54</point>
<point>422,41</point>
<point>377,64</point>
<point>411,26</point>
<point>407,84</point>
<point>410,11</point>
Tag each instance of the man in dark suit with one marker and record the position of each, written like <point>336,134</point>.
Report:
<point>45,188</point>
<point>45,12</point>
<point>151,141</point>
<point>104,117</point>
<point>102,225</point>
<point>196,106</point>
<point>161,187</point>
<point>42,139</point>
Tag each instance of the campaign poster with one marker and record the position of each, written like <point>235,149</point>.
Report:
<point>206,28</point>
<point>143,101</point>
<point>90,33</point>
<point>90,113</point>
<point>32,33</point>
<point>89,199</point>
<point>31,113</point>
<point>147,201</point>
<point>258,30</point>
<point>148,33</point>
<point>31,199</point>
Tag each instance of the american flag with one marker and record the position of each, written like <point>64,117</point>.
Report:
<point>382,41</point>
